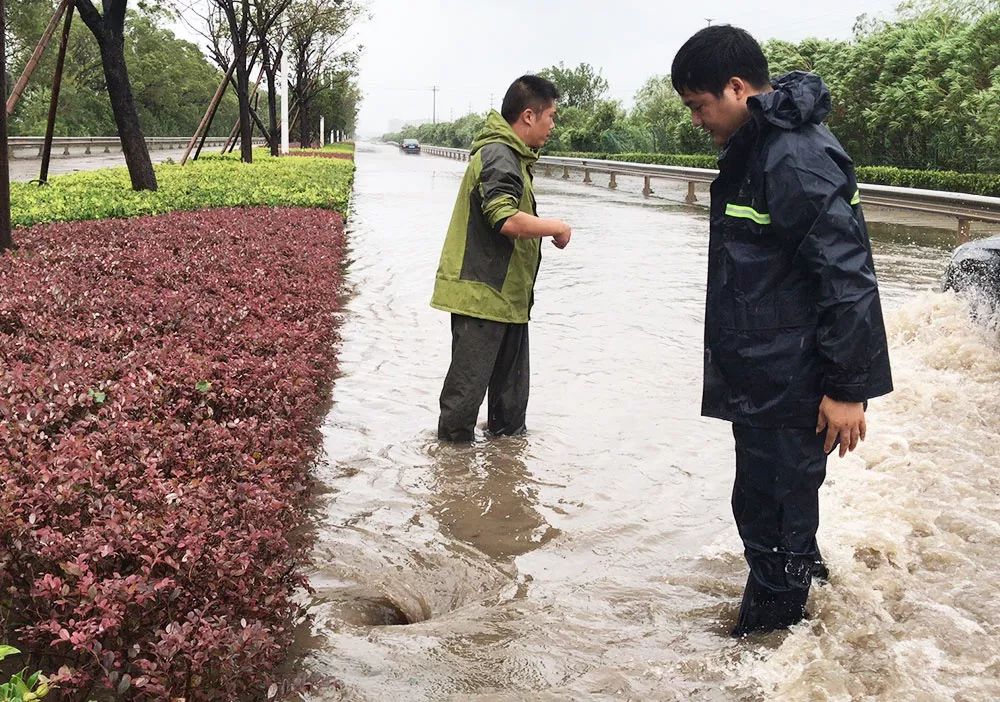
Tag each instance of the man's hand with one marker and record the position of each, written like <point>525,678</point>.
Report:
<point>561,238</point>
<point>843,420</point>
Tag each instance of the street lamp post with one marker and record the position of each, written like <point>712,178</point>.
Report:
<point>284,102</point>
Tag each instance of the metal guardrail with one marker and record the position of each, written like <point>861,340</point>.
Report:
<point>962,206</point>
<point>20,146</point>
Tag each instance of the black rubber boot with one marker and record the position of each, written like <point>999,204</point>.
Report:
<point>765,610</point>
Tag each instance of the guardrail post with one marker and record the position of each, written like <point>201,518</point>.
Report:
<point>586,176</point>
<point>565,174</point>
<point>613,184</point>
<point>691,199</point>
<point>646,190</point>
<point>964,230</point>
<point>548,170</point>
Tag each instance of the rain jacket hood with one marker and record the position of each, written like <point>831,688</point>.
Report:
<point>797,99</point>
<point>498,131</point>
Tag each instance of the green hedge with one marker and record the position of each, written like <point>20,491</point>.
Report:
<point>950,181</point>
<point>211,181</point>
<point>685,160</point>
<point>343,147</point>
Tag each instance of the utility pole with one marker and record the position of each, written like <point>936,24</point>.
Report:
<point>491,101</point>
<point>434,114</point>
<point>5,240</point>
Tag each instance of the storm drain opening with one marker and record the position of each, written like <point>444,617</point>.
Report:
<point>371,610</point>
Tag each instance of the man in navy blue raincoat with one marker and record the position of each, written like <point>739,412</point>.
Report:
<point>795,344</point>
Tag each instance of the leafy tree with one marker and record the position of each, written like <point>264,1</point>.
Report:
<point>919,91</point>
<point>172,81</point>
<point>579,87</point>
<point>318,30</point>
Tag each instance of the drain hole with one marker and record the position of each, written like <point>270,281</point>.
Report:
<point>385,612</point>
<point>375,611</point>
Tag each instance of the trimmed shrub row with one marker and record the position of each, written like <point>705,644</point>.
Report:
<point>344,147</point>
<point>685,160</point>
<point>211,181</point>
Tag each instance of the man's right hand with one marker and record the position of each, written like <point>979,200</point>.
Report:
<point>561,240</point>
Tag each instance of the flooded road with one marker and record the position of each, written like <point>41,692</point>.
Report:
<point>595,557</point>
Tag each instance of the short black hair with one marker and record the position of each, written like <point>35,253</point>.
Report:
<point>715,54</point>
<point>528,91</point>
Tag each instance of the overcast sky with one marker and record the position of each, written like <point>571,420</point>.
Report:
<point>473,49</point>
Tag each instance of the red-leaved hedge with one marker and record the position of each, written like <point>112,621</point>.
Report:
<point>161,380</point>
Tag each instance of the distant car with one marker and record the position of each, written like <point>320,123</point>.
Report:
<point>410,146</point>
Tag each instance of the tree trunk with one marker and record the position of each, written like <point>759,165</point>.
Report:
<point>304,132</point>
<point>246,121</point>
<point>140,168</point>
<point>272,109</point>
<point>109,31</point>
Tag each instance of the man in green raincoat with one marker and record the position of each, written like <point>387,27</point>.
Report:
<point>489,262</point>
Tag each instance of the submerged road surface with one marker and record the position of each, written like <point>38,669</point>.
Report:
<point>595,557</point>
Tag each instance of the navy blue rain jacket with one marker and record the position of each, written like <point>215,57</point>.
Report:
<point>792,309</point>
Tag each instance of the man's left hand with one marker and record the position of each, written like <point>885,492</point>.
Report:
<point>843,420</point>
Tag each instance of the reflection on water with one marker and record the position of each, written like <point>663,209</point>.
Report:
<point>595,557</point>
<point>483,495</point>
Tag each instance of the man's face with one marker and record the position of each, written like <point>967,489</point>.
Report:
<point>540,125</point>
<point>720,115</point>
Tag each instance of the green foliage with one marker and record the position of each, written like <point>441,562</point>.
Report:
<point>457,135</point>
<point>660,111</point>
<point>21,688</point>
<point>339,102</point>
<point>920,92</point>
<point>172,82</point>
<point>582,87</point>
<point>684,160</point>
<point>343,147</point>
<point>213,181</point>
<point>974,183</point>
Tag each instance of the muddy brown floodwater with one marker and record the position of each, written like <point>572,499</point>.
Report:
<point>595,558</point>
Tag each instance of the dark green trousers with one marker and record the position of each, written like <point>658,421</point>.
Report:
<point>485,356</point>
